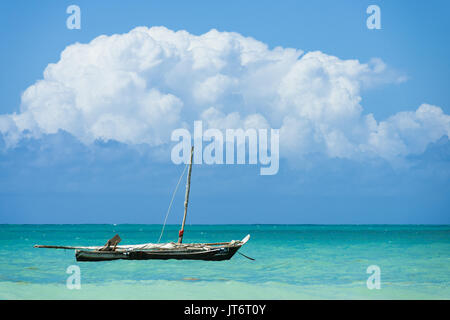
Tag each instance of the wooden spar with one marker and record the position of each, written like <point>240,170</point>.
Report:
<point>55,247</point>
<point>188,185</point>
<point>99,247</point>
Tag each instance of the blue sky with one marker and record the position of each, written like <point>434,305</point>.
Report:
<point>56,178</point>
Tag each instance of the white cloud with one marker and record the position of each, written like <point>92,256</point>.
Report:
<point>137,87</point>
<point>408,132</point>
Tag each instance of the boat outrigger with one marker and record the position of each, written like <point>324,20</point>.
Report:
<point>179,250</point>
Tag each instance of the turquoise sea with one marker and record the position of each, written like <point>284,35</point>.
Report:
<point>292,262</point>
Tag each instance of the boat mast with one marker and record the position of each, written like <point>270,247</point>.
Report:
<point>186,200</point>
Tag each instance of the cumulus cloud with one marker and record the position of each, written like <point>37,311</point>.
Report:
<point>139,86</point>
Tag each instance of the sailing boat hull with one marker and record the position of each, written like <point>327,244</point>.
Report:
<point>215,254</point>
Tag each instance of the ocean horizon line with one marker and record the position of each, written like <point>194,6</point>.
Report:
<point>243,224</point>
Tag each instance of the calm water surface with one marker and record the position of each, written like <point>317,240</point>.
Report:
<point>292,262</point>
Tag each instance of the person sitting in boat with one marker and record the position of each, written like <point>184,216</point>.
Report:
<point>111,244</point>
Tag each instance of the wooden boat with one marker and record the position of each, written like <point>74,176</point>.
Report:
<point>192,251</point>
<point>162,251</point>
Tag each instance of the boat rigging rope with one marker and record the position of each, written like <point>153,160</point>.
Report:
<point>171,201</point>
<point>246,256</point>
